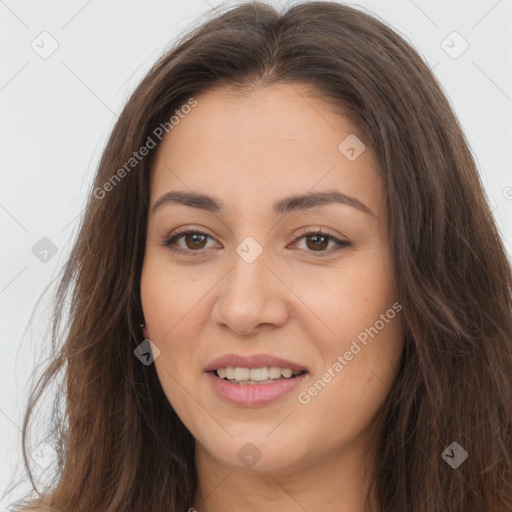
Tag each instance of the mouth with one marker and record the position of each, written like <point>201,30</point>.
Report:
<point>243,376</point>
<point>254,380</point>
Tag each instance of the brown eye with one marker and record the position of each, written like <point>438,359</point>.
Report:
<point>195,240</point>
<point>317,241</point>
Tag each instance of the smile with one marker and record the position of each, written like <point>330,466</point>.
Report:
<point>252,376</point>
<point>252,393</point>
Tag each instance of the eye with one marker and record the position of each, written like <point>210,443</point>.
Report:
<point>195,241</point>
<point>317,241</point>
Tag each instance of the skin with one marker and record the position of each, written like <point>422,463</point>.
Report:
<point>249,151</point>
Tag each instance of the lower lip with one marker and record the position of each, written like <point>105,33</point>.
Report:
<point>253,394</point>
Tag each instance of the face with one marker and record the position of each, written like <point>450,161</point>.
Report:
<point>267,284</point>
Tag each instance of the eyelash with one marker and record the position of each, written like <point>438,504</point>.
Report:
<point>171,242</point>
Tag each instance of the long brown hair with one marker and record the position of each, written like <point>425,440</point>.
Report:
<point>121,447</point>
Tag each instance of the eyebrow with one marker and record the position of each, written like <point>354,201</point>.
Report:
<point>280,207</point>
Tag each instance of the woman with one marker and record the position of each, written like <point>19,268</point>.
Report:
<point>288,291</point>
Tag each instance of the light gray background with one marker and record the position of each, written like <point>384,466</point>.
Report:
<point>57,112</point>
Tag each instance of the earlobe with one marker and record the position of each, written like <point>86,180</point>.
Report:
<point>145,332</point>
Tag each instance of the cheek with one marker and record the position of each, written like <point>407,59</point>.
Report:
<point>170,298</point>
<point>347,300</point>
<point>355,382</point>
<point>359,340</point>
<point>343,398</point>
<point>174,313</point>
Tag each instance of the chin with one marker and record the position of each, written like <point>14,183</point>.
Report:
<point>255,453</point>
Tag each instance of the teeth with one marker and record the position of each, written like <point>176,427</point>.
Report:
<point>274,372</point>
<point>242,373</point>
<point>255,374</point>
<point>258,374</point>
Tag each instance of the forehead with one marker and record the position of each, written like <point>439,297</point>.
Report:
<point>259,146</point>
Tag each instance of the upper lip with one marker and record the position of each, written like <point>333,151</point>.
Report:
<point>252,361</point>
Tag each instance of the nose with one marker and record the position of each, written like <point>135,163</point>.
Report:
<point>250,298</point>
